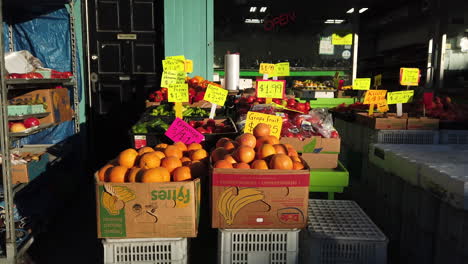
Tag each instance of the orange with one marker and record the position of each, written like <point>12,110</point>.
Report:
<point>160,154</point>
<point>295,159</point>
<point>241,165</point>
<point>288,146</point>
<point>261,130</point>
<point>230,146</point>
<point>259,165</point>
<point>103,173</point>
<point>198,169</point>
<point>144,150</point>
<point>281,162</point>
<point>132,174</point>
<point>218,154</point>
<point>265,150</point>
<point>298,165</point>
<point>199,154</point>
<point>117,174</point>
<point>230,158</point>
<point>292,152</point>
<point>127,158</point>
<point>173,151</point>
<point>159,174</point>
<point>280,149</point>
<point>247,139</point>
<point>161,146</point>
<point>194,146</point>
<point>223,164</point>
<point>185,161</point>
<point>171,163</point>
<point>150,160</point>
<point>222,141</point>
<point>182,173</point>
<point>245,154</point>
<point>180,146</point>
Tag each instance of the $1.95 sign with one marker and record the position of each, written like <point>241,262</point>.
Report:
<point>179,130</point>
<point>270,89</point>
<point>274,122</point>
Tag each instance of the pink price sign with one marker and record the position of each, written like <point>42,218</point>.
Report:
<point>179,130</point>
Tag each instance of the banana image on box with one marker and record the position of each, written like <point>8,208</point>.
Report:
<point>230,204</point>
<point>115,197</point>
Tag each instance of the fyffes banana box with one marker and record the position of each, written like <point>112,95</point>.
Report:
<point>139,210</point>
<point>263,199</point>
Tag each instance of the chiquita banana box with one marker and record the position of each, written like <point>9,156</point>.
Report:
<point>263,199</point>
<point>139,210</point>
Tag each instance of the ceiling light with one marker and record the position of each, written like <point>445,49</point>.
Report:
<point>338,21</point>
<point>350,11</point>
<point>253,9</point>
<point>253,21</point>
<point>334,21</point>
<point>263,9</point>
<point>362,10</point>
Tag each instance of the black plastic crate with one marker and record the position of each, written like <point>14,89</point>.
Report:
<point>151,139</point>
<point>211,139</point>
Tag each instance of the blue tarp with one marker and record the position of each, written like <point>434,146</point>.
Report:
<point>48,38</point>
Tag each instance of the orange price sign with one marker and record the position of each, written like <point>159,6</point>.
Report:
<point>374,96</point>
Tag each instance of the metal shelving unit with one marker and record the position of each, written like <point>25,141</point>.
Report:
<point>12,250</point>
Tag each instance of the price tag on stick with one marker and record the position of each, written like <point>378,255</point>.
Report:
<point>409,76</point>
<point>270,89</point>
<point>172,77</point>
<point>361,84</point>
<point>274,122</point>
<point>400,97</point>
<point>267,68</point>
<point>178,93</point>
<point>373,97</point>
<point>216,96</point>
<point>179,130</point>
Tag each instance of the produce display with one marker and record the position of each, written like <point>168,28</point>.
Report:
<point>16,127</point>
<point>444,109</point>
<point>255,151</point>
<point>168,110</point>
<point>154,126</point>
<point>312,85</point>
<point>163,163</point>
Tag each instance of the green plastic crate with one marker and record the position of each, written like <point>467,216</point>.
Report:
<point>329,180</point>
<point>327,102</point>
<point>16,110</point>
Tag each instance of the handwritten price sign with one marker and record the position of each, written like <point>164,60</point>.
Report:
<point>374,96</point>
<point>173,65</point>
<point>172,77</point>
<point>267,68</point>
<point>270,89</point>
<point>274,122</point>
<point>345,40</point>
<point>361,84</point>
<point>382,106</point>
<point>281,69</point>
<point>179,130</point>
<point>188,66</point>
<point>378,80</point>
<point>215,95</point>
<point>409,76</point>
<point>400,97</point>
<point>178,93</point>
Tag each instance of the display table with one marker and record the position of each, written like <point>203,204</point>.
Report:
<point>330,181</point>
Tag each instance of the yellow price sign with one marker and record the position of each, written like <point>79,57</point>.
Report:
<point>188,66</point>
<point>281,69</point>
<point>409,76</point>
<point>267,68</point>
<point>274,122</point>
<point>382,106</point>
<point>345,40</point>
<point>401,97</point>
<point>215,95</point>
<point>172,77</point>
<point>178,93</point>
<point>374,96</point>
<point>361,84</point>
<point>378,80</point>
<point>270,89</point>
<point>178,57</point>
<point>173,65</point>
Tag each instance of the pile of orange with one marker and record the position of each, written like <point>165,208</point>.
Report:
<point>259,150</point>
<point>163,163</point>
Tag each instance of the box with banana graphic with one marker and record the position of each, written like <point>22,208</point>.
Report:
<point>139,210</point>
<point>263,199</point>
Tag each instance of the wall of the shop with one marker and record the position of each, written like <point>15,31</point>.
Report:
<point>188,31</point>
<point>79,41</point>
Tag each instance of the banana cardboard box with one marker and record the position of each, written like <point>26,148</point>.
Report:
<point>139,210</point>
<point>320,153</point>
<point>263,199</point>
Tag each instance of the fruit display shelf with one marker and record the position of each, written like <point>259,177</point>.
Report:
<point>22,117</point>
<point>31,131</point>
<point>33,83</point>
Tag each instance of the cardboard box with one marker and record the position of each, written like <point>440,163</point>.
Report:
<point>382,121</point>
<point>423,123</point>
<point>24,173</point>
<point>259,199</point>
<point>58,104</point>
<point>139,210</point>
<point>318,152</point>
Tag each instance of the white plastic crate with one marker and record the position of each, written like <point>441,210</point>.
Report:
<point>145,251</point>
<point>258,246</point>
<point>453,136</point>
<point>407,137</point>
<point>340,232</point>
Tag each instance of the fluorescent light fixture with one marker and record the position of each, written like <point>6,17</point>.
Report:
<point>263,9</point>
<point>253,21</point>
<point>338,21</point>
<point>334,21</point>
<point>350,11</point>
<point>253,9</point>
<point>362,10</point>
